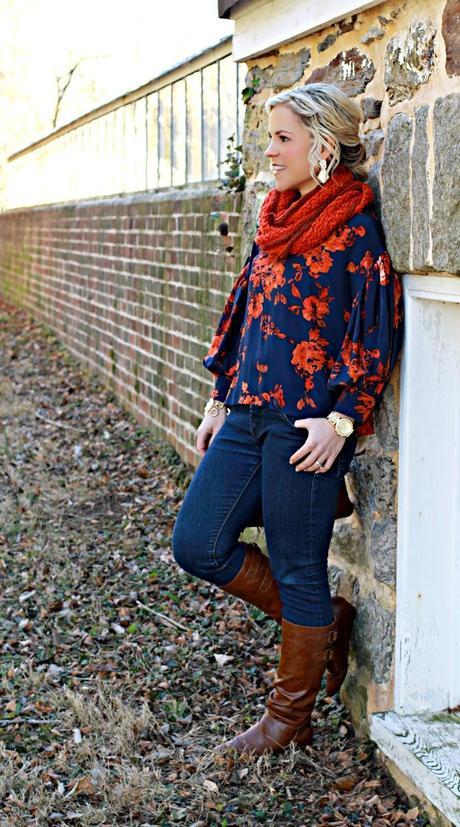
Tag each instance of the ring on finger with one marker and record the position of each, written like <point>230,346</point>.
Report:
<point>301,467</point>
<point>323,464</point>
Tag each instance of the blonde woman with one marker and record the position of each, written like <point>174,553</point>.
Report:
<point>302,354</point>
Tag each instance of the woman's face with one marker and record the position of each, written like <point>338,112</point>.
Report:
<point>289,147</point>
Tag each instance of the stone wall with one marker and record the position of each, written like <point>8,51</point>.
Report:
<point>134,287</point>
<point>400,61</point>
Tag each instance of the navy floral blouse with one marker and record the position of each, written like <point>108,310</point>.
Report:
<point>312,333</point>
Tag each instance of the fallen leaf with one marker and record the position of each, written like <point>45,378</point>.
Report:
<point>348,782</point>
<point>210,785</point>
<point>222,659</point>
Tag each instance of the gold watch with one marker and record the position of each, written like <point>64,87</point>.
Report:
<point>342,425</point>
<point>213,406</point>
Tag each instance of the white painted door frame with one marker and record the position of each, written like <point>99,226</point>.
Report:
<point>427,663</point>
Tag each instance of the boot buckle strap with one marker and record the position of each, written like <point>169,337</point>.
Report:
<point>325,654</point>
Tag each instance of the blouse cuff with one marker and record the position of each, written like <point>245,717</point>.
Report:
<point>221,386</point>
<point>355,403</point>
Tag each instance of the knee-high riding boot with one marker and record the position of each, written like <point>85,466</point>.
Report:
<point>255,583</point>
<point>287,717</point>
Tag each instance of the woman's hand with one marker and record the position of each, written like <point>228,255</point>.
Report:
<point>323,444</point>
<point>208,429</point>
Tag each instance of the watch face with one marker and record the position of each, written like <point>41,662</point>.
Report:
<point>345,428</point>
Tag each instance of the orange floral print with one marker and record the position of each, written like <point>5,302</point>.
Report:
<point>313,333</point>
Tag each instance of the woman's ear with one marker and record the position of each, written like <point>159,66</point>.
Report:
<point>327,151</point>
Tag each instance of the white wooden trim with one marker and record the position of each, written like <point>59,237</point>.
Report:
<point>427,751</point>
<point>427,657</point>
<point>263,25</point>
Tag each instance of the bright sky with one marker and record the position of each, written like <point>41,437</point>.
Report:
<point>119,45</point>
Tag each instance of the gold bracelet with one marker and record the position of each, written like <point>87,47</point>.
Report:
<point>213,406</point>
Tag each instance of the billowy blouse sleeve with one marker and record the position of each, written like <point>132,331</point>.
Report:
<point>374,332</point>
<point>221,356</point>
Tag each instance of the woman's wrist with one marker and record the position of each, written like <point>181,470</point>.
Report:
<point>345,416</point>
<point>214,407</point>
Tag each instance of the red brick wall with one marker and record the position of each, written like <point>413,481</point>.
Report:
<point>134,287</point>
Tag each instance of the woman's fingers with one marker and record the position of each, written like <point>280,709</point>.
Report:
<point>201,443</point>
<point>320,446</point>
<point>326,459</point>
<point>309,464</point>
<point>307,452</point>
<point>205,436</point>
<point>326,462</point>
<point>202,438</point>
<point>207,430</point>
<point>312,466</point>
<point>325,456</point>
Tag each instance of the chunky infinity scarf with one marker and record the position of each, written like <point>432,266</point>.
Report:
<point>292,225</point>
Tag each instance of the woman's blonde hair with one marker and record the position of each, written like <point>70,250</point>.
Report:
<point>332,119</point>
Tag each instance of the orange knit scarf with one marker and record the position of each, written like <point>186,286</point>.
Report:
<point>289,224</point>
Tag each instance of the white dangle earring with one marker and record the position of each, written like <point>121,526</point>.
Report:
<point>323,174</point>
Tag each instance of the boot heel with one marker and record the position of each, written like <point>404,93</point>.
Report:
<point>304,738</point>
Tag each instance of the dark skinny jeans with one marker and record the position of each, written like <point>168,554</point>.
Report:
<point>245,479</point>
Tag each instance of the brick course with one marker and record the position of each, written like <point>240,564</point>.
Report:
<point>134,287</point>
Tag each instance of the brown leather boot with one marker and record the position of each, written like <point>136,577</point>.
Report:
<point>287,717</point>
<point>345,506</point>
<point>256,584</point>
<point>337,665</point>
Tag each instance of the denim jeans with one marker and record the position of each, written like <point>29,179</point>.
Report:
<point>245,479</point>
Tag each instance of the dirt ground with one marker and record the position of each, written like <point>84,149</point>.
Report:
<point>119,672</point>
